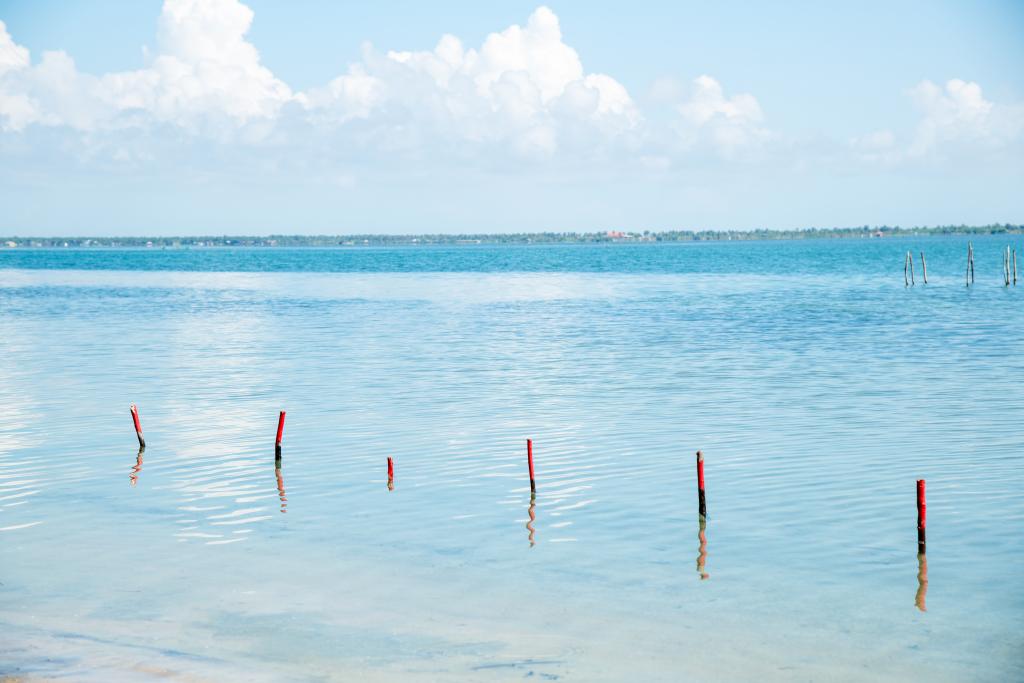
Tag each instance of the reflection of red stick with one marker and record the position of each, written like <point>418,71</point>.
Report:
<point>391,469</point>
<point>529,459</point>
<point>138,426</point>
<point>280,430</point>
<point>922,510</point>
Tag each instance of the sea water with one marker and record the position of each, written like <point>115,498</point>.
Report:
<point>817,385</point>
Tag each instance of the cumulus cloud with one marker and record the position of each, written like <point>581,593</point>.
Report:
<point>956,120</point>
<point>731,123</point>
<point>205,70</point>
<point>523,86</point>
<point>959,113</point>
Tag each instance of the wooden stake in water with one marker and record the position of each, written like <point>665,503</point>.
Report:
<point>910,260</point>
<point>1006,267</point>
<point>391,474</point>
<point>1014,267</point>
<point>970,255</point>
<point>970,264</point>
<point>529,460</point>
<point>921,516</point>
<point>280,435</point>
<point>702,507</point>
<point>906,280</point>
<point>924,267</point>
<point>138,427</point>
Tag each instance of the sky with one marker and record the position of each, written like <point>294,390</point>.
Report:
<point>193,117</point>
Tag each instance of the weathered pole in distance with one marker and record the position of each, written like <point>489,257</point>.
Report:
<point>906,280</point>
<point>910,260</point>
<point>921,516</point>
<point>280,435</point>
<point>138,427</point>
<point>1014,267</point>
<point>529,460</point>
<point>924,267</point>
<point>702,507</point>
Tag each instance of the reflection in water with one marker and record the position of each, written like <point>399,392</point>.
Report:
<point>922,581</point>
<point>533,518</point>
<point>133,478</point>
<point>702,554</point>
<point>280,488</point>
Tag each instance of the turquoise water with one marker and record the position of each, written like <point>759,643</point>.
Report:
<point>818,387</point>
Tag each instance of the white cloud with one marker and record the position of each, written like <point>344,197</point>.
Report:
<point>205,71</point>
<point>12,55</point>
<point>16,109</point>
<point>957,121</point>
<point>524,86</point>
<point>959,114</point>
<point>732,123</point>
<point>523,89</point>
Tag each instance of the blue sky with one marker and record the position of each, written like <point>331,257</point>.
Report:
<point>193,117</point>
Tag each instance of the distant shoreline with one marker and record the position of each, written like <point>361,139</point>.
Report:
<point>606,237</point>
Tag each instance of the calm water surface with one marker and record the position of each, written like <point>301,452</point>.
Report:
<point>817,385</point>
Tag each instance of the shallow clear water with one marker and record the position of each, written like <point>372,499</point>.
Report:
<point>817,385</point>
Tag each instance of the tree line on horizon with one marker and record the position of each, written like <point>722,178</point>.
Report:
<point>608,236</point>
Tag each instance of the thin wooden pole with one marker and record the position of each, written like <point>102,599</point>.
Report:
<point>138,426</point>
<point>906,280</point>
<point>910,260</point>
<point>702,507</point>
<point>970,264</point>
<point>1014,267</point>
<point>280,435</point>
<point>921,516</point>
<point>529,461</point>
<point>924,267</point>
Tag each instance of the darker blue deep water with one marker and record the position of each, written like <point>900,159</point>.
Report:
<point>817,385</point>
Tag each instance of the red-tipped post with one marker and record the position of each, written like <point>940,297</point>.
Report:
<point>701,503</point>
<point>138,426</point>
<point>280,435</point>
<point>921,516</point>
<point>529,459</point>
<point>391,470</point>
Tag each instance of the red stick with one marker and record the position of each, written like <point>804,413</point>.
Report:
<point>700,470</point>
<point>922,510</point>
<point>529,459</point>
<point>138,426</point>
<point>280,429</point>
<point>702,507</point>
<point>391,469</point>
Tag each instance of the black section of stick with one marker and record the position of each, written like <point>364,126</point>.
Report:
<point>702,504</point>
<point>533,486</point>
<point>920,540</point>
